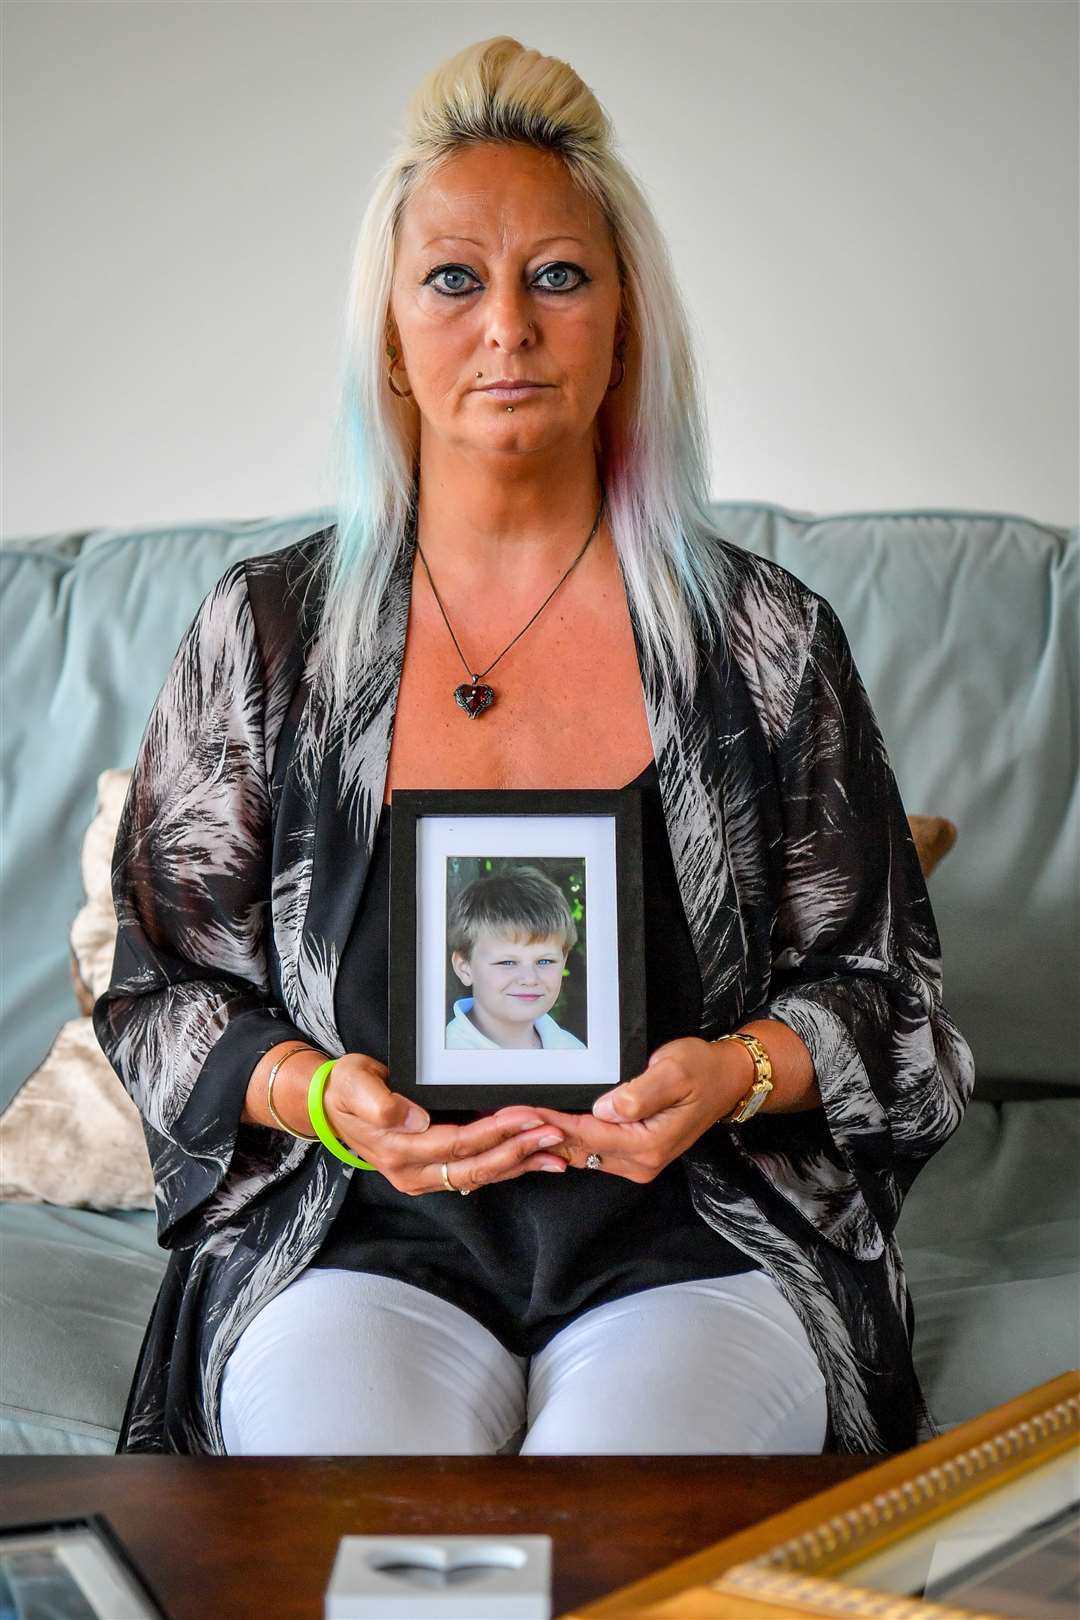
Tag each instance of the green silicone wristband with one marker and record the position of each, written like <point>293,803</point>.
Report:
<point>317,1115</point>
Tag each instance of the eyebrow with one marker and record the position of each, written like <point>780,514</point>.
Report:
<point>475,243</point>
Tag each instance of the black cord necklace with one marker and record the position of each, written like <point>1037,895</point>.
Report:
<point>475,698</point>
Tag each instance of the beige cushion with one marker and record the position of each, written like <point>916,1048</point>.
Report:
<point>934,837</point>
<point>72,1135</point>
<point>93,933</point>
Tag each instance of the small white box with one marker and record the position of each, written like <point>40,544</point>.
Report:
<point>440,1578</point>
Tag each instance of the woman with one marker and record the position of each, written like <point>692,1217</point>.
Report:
<point>705,1277</point>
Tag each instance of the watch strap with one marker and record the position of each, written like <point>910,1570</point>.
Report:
<point>762,1083</point>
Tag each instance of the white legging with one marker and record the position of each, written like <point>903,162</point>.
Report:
<point>351,1363</point>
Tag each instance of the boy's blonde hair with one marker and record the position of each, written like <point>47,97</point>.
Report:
<point>519,899</point>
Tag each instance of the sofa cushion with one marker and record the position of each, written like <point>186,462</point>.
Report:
<point>963,627</point>
<point>76,1291</point>
<point>89,625</point>
<point>990,1234</point>
<point>72,1134</point>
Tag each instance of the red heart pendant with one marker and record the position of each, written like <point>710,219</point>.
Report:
<point>474,699</point>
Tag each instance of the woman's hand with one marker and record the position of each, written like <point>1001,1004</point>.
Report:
<point>397,1137</point>
<point>687,1085</point>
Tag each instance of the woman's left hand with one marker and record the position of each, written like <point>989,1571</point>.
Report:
<point>686,1086</point>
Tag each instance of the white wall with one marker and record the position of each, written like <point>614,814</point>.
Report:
<point>872,207</point>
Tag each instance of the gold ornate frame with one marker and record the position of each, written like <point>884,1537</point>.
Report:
<point>783,1566</point>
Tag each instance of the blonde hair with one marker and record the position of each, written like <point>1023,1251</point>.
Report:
<point>650,433</point>
<point>518,899</point>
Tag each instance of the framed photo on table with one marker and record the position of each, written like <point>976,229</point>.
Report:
<point>71,1569</point>
<point>980,1523</point>
<point>517,968</point>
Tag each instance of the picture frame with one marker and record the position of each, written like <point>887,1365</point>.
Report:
<point>985,1517</point>
<point>482,1013</point>
<point>75,1565</point>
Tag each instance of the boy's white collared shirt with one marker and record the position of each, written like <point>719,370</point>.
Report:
<point>462,1033</point>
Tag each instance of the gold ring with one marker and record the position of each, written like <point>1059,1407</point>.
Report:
<point>449,1185</point>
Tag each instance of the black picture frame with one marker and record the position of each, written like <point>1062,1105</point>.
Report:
<point>108,1549</point>
<point>622,807</point>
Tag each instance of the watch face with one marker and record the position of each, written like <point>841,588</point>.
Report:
<point>754,1103</point>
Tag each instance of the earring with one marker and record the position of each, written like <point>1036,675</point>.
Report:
<point>392,355</point>
<point>619,352</point>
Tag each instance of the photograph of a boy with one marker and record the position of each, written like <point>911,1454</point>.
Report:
<point>509,934</point>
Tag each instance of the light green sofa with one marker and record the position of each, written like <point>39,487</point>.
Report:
<point>965,629</point>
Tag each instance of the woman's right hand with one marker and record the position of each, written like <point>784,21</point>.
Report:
<point>366,1116</point>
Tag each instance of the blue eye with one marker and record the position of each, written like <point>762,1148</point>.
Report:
<point>459,270</point>
<point>561,269</point>
<point>448,270</point>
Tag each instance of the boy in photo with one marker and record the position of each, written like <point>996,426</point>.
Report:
<point>509,935</point>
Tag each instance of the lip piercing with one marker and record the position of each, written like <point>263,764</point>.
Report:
<point>480,374</point>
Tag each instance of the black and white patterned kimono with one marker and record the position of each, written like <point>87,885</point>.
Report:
<point>804,899</point>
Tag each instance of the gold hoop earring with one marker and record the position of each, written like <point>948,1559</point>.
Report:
<point>392,355</point>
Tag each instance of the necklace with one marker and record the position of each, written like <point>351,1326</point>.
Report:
<point>474,698</point>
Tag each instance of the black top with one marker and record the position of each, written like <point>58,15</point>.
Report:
<point>527,1255</point>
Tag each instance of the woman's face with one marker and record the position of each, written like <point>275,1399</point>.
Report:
<point>510,981</point>
<point>503,267</point>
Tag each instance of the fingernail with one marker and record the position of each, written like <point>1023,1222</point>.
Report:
<point>556,1169</point>
<point>416,1119</point>
<point>549,1141</point>
<point>530,1125</point>
<point>604,1108</point>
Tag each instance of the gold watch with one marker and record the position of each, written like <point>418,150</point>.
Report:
<point>748,1105</point>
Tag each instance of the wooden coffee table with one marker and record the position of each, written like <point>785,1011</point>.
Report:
<point>228,1538</point>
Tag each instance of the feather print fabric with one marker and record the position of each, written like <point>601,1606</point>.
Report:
<point>237,871</point>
